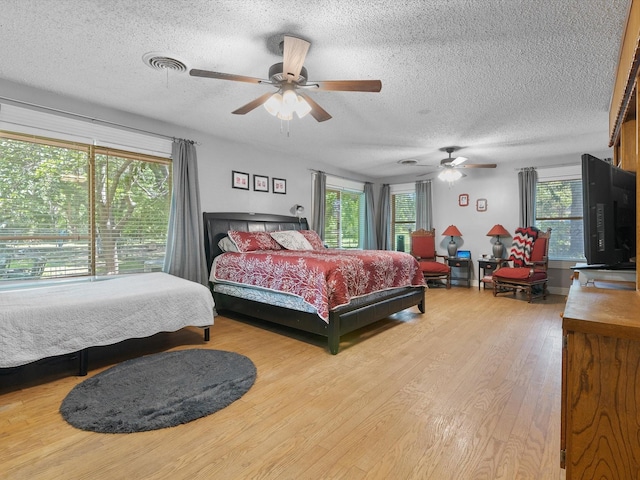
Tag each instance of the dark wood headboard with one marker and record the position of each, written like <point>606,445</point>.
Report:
<point>217,224</point>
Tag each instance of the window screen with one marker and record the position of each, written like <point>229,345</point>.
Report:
<point>403,222</point>
<point>559,207</point>
<point>70,209</point>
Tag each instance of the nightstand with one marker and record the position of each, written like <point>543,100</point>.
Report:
<point>486,266</point>
<point>460,269</point>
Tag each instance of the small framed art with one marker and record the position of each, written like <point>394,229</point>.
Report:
<point>240,180</point>
<point>481,205</point>
<point>279,185</point>
<point>260,183</point>
<point>463,199</point>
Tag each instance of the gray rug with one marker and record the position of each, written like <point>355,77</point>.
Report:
<point>158,391</point>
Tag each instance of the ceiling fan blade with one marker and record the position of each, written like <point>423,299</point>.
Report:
<point>349,85</point>
<point>317,112</point>
<point>225,76</point>
<point>478,165</point>
<point>458,160</point>
<point>293,55</point>
<point>253,104</point>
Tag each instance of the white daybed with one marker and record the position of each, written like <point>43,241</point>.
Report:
<point>57,318</point>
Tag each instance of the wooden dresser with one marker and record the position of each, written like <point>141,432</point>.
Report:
<point>601,384</point>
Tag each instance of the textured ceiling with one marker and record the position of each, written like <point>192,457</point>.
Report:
<point>503,79</point>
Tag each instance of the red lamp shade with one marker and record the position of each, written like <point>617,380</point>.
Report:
<point>499,231</point>
<point>452,231</point>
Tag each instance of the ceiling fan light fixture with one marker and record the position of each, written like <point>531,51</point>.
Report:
<point>273,104</point>
<point>284,105</point>
<point>450,175</point>
<point>302,107</point>
<point>289,98</point>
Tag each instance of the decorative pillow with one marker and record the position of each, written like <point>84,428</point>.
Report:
<point>313,238</point>
<point>226,245</point>
<point>250,241</point>
<point>292,240</point>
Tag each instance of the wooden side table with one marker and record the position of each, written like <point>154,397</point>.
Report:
<point>486,267</point>
<point>462,269</point>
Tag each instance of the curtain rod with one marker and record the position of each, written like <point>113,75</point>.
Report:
<point>544,167</point>
<point>338,176</point>
<point>83,117</point>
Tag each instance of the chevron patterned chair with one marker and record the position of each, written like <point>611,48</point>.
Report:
<point>526,268</point>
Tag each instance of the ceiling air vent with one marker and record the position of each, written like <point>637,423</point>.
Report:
<point>160,61</point>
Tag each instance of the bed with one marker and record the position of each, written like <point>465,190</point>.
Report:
<point>40,320</point>
<point>290,310</point>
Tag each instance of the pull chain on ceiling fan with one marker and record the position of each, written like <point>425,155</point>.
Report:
<point>290,77</point>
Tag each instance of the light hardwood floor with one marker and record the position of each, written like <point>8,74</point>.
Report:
<point>469,390</point>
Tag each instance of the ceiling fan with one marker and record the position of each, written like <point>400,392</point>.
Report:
<point>448,164</point>
<point>290,78</point>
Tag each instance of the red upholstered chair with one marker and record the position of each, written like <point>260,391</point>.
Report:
<point>423,247</point>
<point>529,255</point>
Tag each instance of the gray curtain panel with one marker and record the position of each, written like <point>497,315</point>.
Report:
<point>370,237</point>
<point>319,191</point>
<point>185,243</point>
<point>424,212</point>
<point>527,181</point>
<point>384,218</point>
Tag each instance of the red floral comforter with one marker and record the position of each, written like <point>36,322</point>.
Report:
<point>325,278</point>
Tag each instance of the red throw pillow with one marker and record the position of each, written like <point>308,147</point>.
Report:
<point>250,241</point>
<point>313,238</point>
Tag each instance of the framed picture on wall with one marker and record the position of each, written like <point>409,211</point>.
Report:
<point>463,200</point>
<point>279,185</point>
<point>481,205</point>
<point>240,180</point>
<point>260,183</point>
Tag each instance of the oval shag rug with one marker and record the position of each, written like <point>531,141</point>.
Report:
<point>158,391</point>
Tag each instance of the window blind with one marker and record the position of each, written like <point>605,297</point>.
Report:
<point>71,209</point>
<point>403,220</point>
<point>559,207</point>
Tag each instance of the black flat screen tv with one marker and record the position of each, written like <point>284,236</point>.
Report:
<point>609,206</point>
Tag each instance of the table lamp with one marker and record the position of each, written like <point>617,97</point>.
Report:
<point>497,231</point>
<point>452,231</point>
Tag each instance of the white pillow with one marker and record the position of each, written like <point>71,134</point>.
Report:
<point>291,240</point>
<point>227,245</point>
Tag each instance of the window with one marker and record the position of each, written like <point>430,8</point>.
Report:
<point>344,213</point>
<point>559,207</point>
<point>71,209</point>
<point>403,220</point>
<point>344,218</point>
